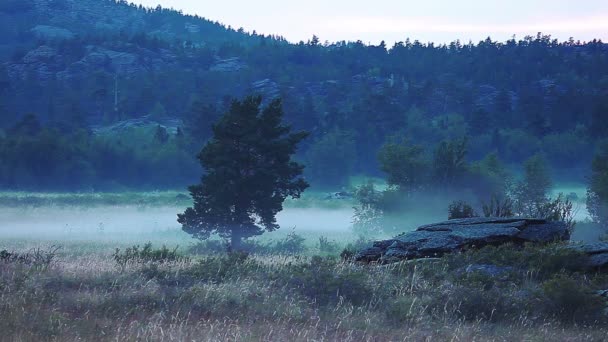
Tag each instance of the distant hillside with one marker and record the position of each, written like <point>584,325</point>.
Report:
<point>101,63</point>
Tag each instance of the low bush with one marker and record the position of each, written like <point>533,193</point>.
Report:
<point>460,210</point>
<point>36,257</point>
<point>293,243</point>
<point>136,254</point>
<point>571,300</point>
<point>539,262</point>
<point>324,282</point>
<point>327,246</point>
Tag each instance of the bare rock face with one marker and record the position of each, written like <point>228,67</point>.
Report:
<point>233,64</point>
<point>597,252</point>
<point>435,240</point>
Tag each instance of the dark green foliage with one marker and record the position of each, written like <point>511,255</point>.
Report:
<point>536,96</point>
<point>320,282</point>
<point>541,262</point>
<point>293,243</point>
<point>38,258</point>
<point>571,299</point>
<point>460,210</point>
<point>518,97</point>
<point>348,254</point>
<point>248,173</point>
<point>327,246</point>
<point>335,155</point>
<point>597,192</point>
<point>449,164</point>
<point>498,207</point>
<point>404,164</point>
<point>489,177</point>
<point>367,217</point>
<point>136,254</point>
<point>41,157</point>
<point>531,193</point>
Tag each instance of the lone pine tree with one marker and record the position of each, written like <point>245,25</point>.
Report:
<point>248,174</point>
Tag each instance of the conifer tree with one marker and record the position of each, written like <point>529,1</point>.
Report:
<point>248,174</point>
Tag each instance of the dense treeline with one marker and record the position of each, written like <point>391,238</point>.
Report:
<point>36,157</point>
<point>516,98</point>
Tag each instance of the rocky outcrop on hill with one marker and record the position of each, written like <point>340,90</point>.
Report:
<point>228,65</point>
<point>435,240</point>
<point>52,33</point>
<point>267,88</point>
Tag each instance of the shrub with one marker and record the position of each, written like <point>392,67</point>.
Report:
<point>325,283</point>
<point>327,246</point>
<point>531,192</point>
<point>349,252</point>
<point>368,213</point>
<point>293,243</point>
<point>209,247</point>
<point>489,177</point>
<point>571,300</point>
<point>540,262</point>
<point>559,209</point>
<point>217,269</point>
<point>36,257</point>
<point>135,254</point>
<point>498,207</point>
<point>405,165</point>
<point>460,210</point>
<point>449,162</point>
<point>400,310</point>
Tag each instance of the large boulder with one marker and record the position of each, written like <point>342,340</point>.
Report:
<point>435,240</point>
<point>597,252</point>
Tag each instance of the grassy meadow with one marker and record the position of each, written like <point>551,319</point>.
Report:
<point>77,267</point>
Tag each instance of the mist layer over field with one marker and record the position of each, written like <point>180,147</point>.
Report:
<point>124,224</point>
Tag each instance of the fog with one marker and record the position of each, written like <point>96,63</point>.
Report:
<point>131,223</point>
<point>136,224</point>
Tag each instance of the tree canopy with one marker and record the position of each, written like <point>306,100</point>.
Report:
<point>248,173</point>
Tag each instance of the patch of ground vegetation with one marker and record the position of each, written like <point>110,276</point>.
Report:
<point>496,293</point>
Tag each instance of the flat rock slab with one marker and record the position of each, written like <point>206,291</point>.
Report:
<point>435,240</point>
<point>597,252</point>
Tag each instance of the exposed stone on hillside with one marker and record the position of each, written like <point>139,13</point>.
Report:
<point>438,239</point>
<point>267,88</point>
<point>52,33</point>
<point>171,125</point>
<point>228,65</point>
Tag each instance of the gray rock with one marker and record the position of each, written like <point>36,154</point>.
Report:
<point>489,270</point>
<point>42,54</point>
<point>597,252</point>
<point>228,65</point>
<point>52,33</point>
<point>267,88</point>
<point>435,240</point>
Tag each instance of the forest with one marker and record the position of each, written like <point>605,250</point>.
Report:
<point>79,95</point>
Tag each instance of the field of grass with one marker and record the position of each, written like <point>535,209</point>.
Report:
<point>69,272</point>
<point>85,293</point>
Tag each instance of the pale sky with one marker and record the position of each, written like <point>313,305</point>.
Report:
<point>438,21</point>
